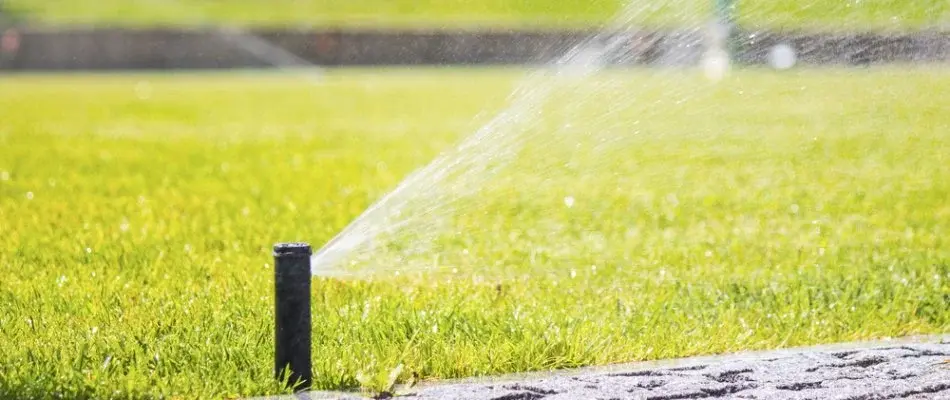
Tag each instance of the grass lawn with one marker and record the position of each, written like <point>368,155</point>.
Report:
<point>872,14</point>
<point>137,214</point>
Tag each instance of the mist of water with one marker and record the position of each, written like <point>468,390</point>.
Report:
<point>253,44</point>
<point>545,115</point>
<point>533,185</point>
<point>264,50</point>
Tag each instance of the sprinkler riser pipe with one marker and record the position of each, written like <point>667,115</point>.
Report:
<point>293,326</point>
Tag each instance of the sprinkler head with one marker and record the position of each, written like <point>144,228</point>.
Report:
<point>293,326</point>
<point>299,249</point>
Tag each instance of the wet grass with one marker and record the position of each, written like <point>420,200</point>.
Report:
<point>137,214</point>
<point>875,14</point>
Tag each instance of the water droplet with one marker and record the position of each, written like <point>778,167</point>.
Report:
<point>88,250</point>
<point>573,274</point>
<point>715,64</point>
<point>29,195</point>
<point>569,201</point>
<point>782,57</point>
<point>709,253</point>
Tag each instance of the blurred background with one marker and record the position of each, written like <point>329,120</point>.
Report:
<point>174,34</point>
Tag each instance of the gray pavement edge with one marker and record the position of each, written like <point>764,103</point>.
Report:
<point>916,367</point>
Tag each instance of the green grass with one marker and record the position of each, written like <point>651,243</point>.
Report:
<point>874,14</point>
<point>137,214</point>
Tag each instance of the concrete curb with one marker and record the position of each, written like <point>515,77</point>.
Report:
<point>911,367</point>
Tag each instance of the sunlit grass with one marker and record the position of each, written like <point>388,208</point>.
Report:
<point>137,214</point>
<point>870,14</point>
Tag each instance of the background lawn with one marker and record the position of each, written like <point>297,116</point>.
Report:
<point>137,214</point>
<point>868,14</point>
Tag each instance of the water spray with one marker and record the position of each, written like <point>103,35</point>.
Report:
<point>292,331</point>
<point>722,45</point>
<point>726,15</point>
<point>407,223</point>
<point>270,53</point>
